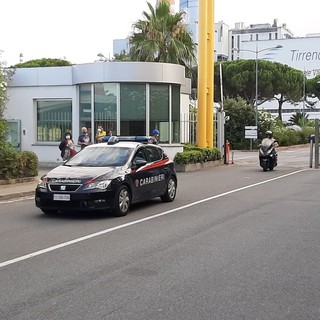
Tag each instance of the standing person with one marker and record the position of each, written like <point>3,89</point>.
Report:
<point>67,147</point>
<point>107,136</point>
<point>155,136</point>
<point>84,138</point>
<point>100,133</point>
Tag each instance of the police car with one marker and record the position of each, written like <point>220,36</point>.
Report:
<point>109,176</point>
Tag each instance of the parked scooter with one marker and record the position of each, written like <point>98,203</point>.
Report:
<point>267,153</point>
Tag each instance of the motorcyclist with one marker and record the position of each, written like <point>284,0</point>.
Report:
<point>269,135</point>
<point>269,141</point>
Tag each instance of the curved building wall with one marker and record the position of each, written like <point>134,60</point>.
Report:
<point>129,98</point>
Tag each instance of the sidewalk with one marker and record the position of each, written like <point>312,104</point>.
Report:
<point>20,188</point>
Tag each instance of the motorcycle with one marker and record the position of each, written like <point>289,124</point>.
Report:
<point>268,155</point>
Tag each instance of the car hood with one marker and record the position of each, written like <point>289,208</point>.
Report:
<point>65,174</point>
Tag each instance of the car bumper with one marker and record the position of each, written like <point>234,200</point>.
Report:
<point>96,201</point>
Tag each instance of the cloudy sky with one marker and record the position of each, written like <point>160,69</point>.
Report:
<point>79,30</point>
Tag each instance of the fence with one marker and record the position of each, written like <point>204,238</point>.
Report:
<point>189,122</point>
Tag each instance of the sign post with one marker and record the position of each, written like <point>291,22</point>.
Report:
<point>251,132</point>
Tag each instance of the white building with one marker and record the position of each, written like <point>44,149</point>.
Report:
<point>129,98</point>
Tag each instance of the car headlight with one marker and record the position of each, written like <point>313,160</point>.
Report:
<point>101,185</point>
<point>42,183</point>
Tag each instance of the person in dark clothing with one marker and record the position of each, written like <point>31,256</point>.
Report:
<point>67,147</point>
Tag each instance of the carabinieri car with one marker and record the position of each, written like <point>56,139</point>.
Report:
<point>109,176</point>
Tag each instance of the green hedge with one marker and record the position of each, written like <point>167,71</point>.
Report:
<point>287,137</point>
<point>192,154</point>
<point>17,164</point>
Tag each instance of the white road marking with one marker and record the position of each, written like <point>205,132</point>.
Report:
<point>97,234</point>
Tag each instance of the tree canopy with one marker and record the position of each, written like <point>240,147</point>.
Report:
<point>276,81</point>
<point>44,62</point>
<point>162,37</point>
<point>4,78</point>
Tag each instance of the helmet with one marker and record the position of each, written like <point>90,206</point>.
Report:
<point>269,134</point>
<point>155,131</point>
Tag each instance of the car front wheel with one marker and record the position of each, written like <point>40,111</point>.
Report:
<point>171,190</point>
<point>122,201</point>
<point>49,211</point>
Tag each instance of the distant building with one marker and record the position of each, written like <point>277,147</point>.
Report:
<point>120,46</point>
<point>254,41</point>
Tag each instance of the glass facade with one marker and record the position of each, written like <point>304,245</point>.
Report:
<point>175,111</point>
<point>132,109</point>
<point>159,110</point>
<point>105,106</point>
<point>54,118</point>
<point>85,106</point>
<point>127,108</point>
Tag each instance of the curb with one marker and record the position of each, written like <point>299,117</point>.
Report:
<point>18,180</point>
<point>11,196</point>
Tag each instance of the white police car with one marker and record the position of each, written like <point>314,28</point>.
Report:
<point>109,177</point>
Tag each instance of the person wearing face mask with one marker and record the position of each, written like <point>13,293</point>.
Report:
<point>67,147</point>
<point>100,133</point>
<point>84,138</point>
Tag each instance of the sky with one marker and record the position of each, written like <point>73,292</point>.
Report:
<point>78,30</point>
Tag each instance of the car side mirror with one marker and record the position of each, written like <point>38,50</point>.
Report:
<point>139,162</point>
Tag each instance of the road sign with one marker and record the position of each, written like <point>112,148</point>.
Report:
<point>251,132</point>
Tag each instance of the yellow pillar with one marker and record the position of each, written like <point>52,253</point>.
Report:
<point>210,73</point>
<point>202,74</point>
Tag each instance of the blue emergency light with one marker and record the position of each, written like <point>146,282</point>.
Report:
<point>116,139</point>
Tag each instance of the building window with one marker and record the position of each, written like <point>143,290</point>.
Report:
<point>270,36</point>
<point>276,35</point>
<point>54,118</point>
<point>257,37</point>
<point>85,107</point>
<point>105,106</point>
<point>159,110</point>
<point>175,106</point>
<point>132,109</point>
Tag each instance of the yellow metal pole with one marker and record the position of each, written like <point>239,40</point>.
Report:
<point>210,72</point>
<point>202,74</point>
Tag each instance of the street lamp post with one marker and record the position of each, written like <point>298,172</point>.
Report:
<point>256,52</point>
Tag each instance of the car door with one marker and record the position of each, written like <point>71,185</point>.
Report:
<point>158,168</point>
<point>140,174</point>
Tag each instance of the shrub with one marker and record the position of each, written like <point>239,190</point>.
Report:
<point>9,164</point>
<point>14,164</point>
<point>30,164</point>
<point>286,137</point>
<point>193,154</point>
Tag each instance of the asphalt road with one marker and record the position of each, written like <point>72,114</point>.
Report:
<point>237,243</point>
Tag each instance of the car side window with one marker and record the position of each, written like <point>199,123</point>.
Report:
<point>140,155</point>
<point>154,153</point>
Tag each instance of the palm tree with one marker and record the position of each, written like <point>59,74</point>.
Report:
<point>298,118</point>
<point>162,37</point>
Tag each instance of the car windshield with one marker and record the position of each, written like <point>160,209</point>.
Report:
<point>101,157</point>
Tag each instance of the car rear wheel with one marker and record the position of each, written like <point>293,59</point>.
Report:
<point>171,190</point>
<point>122,202</point>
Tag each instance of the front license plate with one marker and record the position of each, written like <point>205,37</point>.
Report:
<point>61,197</point>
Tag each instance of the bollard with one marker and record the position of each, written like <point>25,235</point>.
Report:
<point>311,150</point>
<point>228,152</point>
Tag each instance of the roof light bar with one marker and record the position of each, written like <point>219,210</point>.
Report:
<point>116,139</point>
